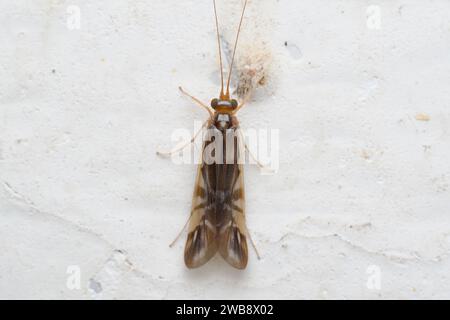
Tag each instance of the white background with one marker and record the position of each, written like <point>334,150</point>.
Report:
<point>360,91</point>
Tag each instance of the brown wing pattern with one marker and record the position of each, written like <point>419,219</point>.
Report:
<point>201,244</point>
<point>218,215</point>
<point>232,232</point>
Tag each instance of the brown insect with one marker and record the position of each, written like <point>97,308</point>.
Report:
<point>217,218</point>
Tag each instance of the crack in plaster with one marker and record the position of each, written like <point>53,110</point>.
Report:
<point>408,257</point>
<point>30,205</point>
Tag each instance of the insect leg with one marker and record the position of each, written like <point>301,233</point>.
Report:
<point>259,164</point>
<point>181,232</point>
<point>168,153</point>
<point>197,101</point>
<point>253,244</point>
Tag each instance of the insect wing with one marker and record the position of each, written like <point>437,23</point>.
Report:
<point>201,243</point>
<point>232,232</point>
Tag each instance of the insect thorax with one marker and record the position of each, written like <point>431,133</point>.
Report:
<point>224,121</point>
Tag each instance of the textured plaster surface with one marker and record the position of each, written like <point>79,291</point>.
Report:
<point>360,91</point>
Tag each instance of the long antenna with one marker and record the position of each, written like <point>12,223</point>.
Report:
<point>234,50</point>
<point>220,49</point>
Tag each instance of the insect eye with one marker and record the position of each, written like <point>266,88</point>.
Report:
<point>214,103</point>
<point>234,103</point>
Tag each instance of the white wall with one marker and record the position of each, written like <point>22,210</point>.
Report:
<point>362,195</point>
